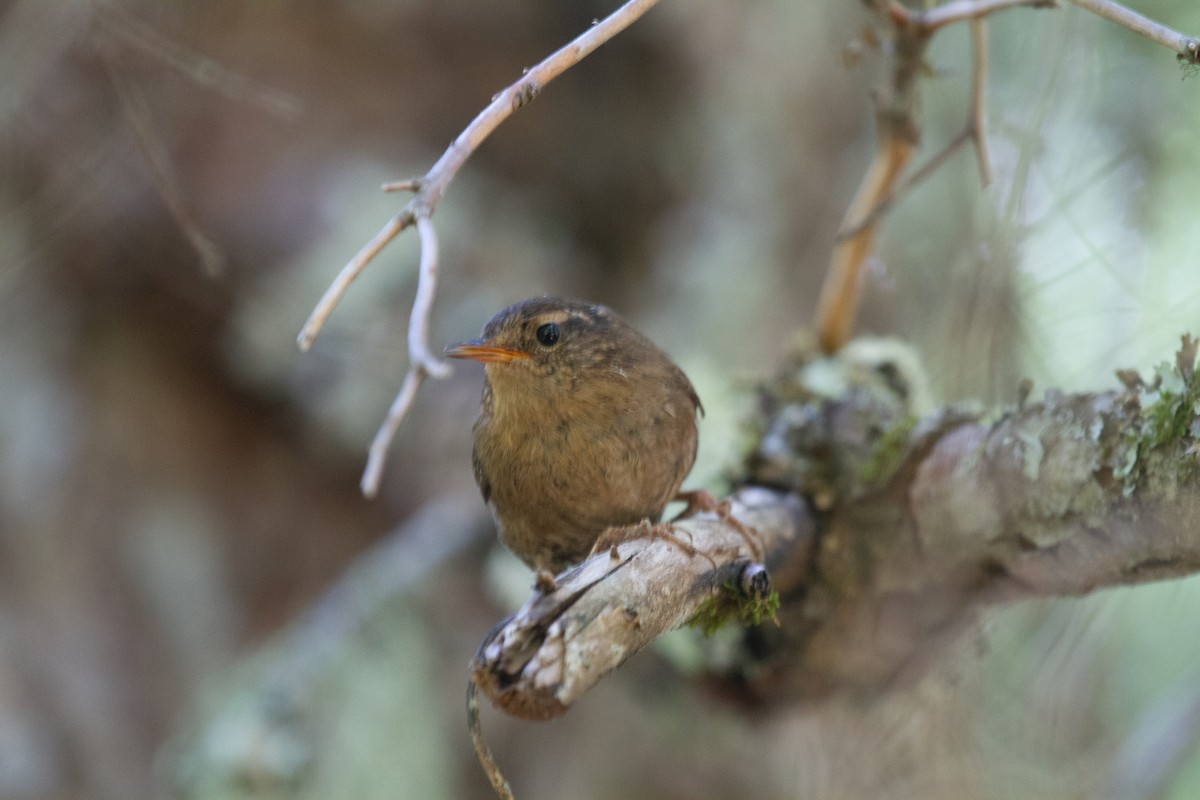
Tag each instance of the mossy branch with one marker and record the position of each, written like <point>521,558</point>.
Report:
<point>921,524</point>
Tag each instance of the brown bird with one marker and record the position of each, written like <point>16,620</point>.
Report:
<point>585,425</point>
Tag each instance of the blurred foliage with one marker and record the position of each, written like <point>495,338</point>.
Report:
<point>178,484</point>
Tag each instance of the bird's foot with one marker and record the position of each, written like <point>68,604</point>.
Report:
<point>613,537</point>
<point>701,501</point>
<point>544,581</point>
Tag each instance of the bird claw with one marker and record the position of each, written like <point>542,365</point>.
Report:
<point>612,537</point>
<point>701,501</point>
<point>544,581</point>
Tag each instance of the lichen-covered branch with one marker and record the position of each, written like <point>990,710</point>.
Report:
<point>922,521</point>
<point>569,636</point>
<point>928,522</point>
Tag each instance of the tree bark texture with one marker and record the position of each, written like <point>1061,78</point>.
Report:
<point>885,533</point>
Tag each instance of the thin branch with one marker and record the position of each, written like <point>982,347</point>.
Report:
<point>421,363</point>
<point>428,192</point>
<point>975,125</point>
<point>1187,47</point>
<point>961,10</point>
<point>418,322</point>
<point>973,131</point>
<point>837,307</point>
<point>409,185</point>
<point>434,184</point>
<point>320,314</point>
<point>482,751</point>
<point>914,179</point>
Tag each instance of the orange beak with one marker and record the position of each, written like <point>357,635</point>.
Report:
<point>479,350</point>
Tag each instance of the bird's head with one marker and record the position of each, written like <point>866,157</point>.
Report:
<point>549,336</point>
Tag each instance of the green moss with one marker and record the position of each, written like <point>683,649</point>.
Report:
<point>730,604</point>
<point>888,452</point>
<point>1168,419</point>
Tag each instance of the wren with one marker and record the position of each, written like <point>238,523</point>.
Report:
<point>585,424</point>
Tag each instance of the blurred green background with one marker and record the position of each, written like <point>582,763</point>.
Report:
<point>195,600</point>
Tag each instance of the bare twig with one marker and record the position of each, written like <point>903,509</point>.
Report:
<point>409,185</point>
<point>434,184</point>
<point>837,307</point>
<point>482,751</point>
<point>915,178</point>
<point>356,265</point>
<point>898,120</point>
<point>1187,47</point>
<point>973,131</point>
<point>839,296</point>
<point>421,363</point>
<point>937,17</point>
<point>978,94</point>
<point>428,192</point>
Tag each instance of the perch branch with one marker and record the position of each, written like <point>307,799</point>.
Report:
<point>427,193</point>
<point>935,520</point>
<point>540,660</point>
<point>924,524</point>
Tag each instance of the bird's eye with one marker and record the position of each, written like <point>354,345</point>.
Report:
<point>547,334</point>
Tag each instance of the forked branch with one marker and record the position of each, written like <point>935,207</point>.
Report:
<point>427,193</point>
<point>887,178</point>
